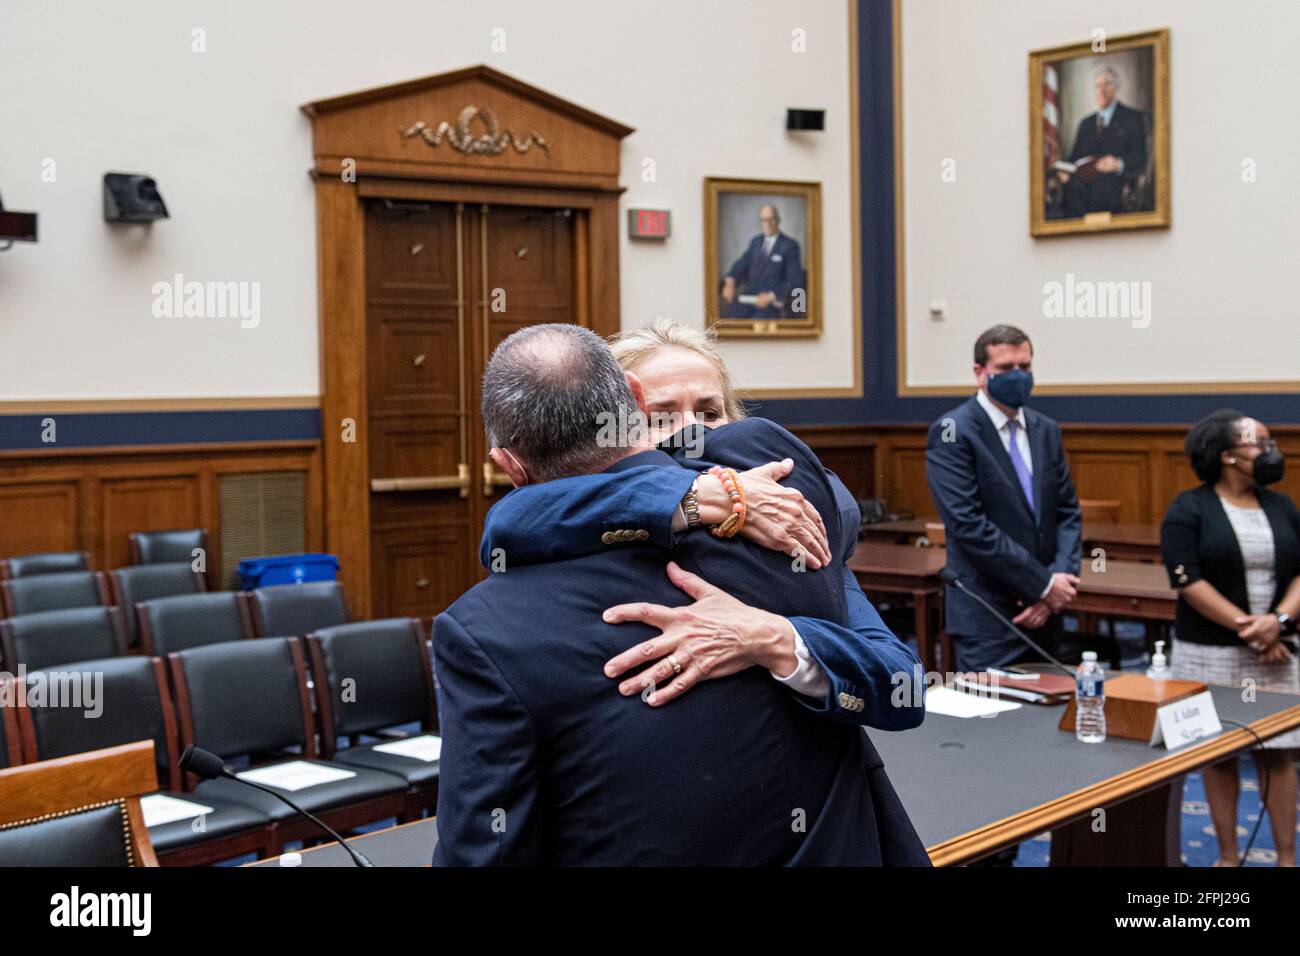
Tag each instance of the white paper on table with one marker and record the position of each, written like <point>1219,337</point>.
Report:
<point>426,747</point>
<point>158,808</point>
<point>295,775</point>
<point>954,703</point>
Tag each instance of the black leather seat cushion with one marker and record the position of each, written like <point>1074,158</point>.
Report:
<point>50,562</point>
<point>194,620</point>
<point>129,709</point>
<point>145,582</point>
<point>226,819</point>
<point>244,697</point>
<point>51,638</point>
<point>366,785</point>
<point>292,610</point>
<point>48,592</point>
<point>381,660</point>
<point>87,838</point>
<point>417,773</point>
<point>161,547</point>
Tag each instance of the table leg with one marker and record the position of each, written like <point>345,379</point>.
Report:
<point>1143,831</point>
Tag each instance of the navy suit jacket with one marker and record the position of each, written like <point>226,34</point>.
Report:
<point>1125,136</point>
<point>780,273</point>
<point>1003,550</point>
<point>544,762</point>
<point>861,658</point>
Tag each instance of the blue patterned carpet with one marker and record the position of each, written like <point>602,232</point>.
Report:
<point>1199,845</point>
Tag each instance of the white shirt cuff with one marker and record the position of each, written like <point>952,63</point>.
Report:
<point>808,678</point>
<point>1047,590</point>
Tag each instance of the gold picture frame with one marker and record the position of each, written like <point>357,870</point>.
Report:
<point>1070,199</point>
<point>794,309</point>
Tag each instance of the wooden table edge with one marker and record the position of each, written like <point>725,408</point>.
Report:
<point>1131,783</point>
<point>352,841</point>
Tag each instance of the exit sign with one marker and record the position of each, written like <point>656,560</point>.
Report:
<point>648,223</point>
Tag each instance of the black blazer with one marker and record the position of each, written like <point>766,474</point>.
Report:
<point>1198,543</point>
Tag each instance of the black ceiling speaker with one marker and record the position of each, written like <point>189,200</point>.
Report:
<point>131,197</point>
<point>17,226</point>
<point>808,120</point>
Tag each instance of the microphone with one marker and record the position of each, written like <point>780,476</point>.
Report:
<point>948,576</point>
<point>206,765</point>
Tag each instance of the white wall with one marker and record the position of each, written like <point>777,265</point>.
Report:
<point>1223,303</point>
<point>110,87</point>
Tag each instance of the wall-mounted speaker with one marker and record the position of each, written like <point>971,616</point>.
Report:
<point>805,120</point>
<point>132,197</point>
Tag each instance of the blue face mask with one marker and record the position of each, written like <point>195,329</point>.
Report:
<point>1012,388</point>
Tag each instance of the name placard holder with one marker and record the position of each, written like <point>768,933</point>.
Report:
<point>1186,721</point>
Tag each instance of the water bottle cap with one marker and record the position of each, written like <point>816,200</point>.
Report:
<point>291,859</point>
<point>1089,655</point>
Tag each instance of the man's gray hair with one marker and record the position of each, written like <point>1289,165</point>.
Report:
<point>546,393</point>
<point>1107,71</point>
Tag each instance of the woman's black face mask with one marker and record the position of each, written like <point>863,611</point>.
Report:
<point>1269,467</point>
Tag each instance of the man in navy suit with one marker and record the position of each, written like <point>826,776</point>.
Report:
<point>767,275</point>
<point>999,476</point>
<point>1115,138</point>
<point>544,762</point>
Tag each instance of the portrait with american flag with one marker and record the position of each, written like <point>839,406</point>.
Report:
<point>1099,135</point>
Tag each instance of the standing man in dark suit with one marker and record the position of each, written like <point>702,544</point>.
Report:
<point>545,762</point>
<point>998,474</point>
<point>1115,138</point>
<point>768,273</point>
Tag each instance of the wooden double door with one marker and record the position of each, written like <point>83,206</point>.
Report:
<point>445,282</point>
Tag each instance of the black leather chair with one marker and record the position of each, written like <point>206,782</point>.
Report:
<point>82,810</point>
<point>49,562</point>
<point>132,703</point>
<point>390,683</point>
<point>62,637</point>
<point>293,610</point>
<point>10,751</point>
<point>178,623</point>
<point>248,698</point>
<point>51,592</point>
<point>164,547</point>
<point>145,582</point>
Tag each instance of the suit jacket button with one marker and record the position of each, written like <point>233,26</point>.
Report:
<point>607,537</point>
<point>643,535</point>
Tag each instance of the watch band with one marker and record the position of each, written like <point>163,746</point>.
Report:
<point>1287,621</point>
<point>691,507</point>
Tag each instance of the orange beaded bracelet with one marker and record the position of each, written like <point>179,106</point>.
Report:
<point>739,508</point>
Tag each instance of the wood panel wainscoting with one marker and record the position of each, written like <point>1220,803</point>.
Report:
<point>1141,466</point>
<point>91,499</point>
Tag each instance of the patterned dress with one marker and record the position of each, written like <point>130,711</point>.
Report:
<point>1233,665</point>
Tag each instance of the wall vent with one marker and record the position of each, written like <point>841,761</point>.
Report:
<point>262,514</point>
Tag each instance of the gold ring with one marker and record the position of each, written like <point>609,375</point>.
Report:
<point>677,668</point>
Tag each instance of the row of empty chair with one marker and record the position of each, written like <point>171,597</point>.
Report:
<point>146,547</point>
<point>249,701</point>
<point>162,625</point>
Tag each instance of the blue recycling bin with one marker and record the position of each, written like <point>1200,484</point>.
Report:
<point>287,569</point>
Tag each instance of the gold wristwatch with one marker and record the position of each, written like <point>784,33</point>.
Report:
<point>691,507</point>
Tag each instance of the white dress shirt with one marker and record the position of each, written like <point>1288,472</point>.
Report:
<point>1000,420</point>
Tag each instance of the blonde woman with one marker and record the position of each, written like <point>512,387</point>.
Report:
<point>844,670</point>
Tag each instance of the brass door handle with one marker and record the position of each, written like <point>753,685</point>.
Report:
<point>421,583</point>
<point>494,479</point>
<point>458,482</point>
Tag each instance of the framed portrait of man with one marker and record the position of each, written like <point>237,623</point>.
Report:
<point>762,251</point>
<point>1099,135</point>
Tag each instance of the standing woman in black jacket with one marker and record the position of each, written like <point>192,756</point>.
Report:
<point>1232,549</point>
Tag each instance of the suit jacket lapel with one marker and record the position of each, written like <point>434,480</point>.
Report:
<point>993,441</point>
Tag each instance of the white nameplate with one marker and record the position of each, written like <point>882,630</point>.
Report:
<point>1186,721</point>
<point>295,775</point>
<point>426,747</point>
<point>158,808</point>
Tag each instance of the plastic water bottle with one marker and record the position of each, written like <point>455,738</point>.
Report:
<point>1090,700</point>
<point>1159,669</point>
